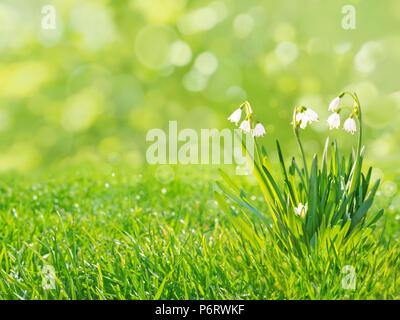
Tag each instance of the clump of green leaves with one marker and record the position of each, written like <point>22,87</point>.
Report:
<point>327,206</point>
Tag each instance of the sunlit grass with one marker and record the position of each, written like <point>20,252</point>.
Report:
<point>114,234</point>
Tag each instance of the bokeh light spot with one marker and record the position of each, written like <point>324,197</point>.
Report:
<point>389,188</point>
<point>194,81</point>
<point>152,46</point>
<point>243,25</point>
<point>206,63</point>
<point>82,110</point>
<point>94,22</point>
<point>368,57</point>
<point>286,52</point>
<point>180,53</point>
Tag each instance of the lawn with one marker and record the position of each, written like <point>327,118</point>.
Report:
<point>95,94</point>
<point>95,232</point>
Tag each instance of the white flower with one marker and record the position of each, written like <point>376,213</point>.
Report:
<point>334,104</point>
<point>235,116</point>
<point>298,209</point>
<point>259,130</point>
<point>301,209</point>
<point>350,125</point>
<point>301,118</point>
<point>306,117</point>
<point>245,126</point>
<point>311,115</point>
<point>334,121</point>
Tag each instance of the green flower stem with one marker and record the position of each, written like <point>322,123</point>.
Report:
<point>248,110</point>
<point>357,113</point>
<point>297,134</point>
<point>350,109</point>
<point>355,181</point>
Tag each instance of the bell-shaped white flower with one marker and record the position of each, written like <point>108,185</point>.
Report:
<point>333,106</point>
<point>301,119</point>
<point>245,126</point>
<point>301,209</point>
<point>311,115</point>
<point>235,116</point>
<point>306,117</point>
<point>298,209</point>
<point>259,130</point>
<point>350,125</point>
<point>300,116</point>
<point>334,121</point>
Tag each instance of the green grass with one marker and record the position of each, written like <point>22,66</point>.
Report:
<point>121,237</point>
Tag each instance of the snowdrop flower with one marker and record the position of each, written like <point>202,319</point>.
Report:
<point>235,116</point>
<point>259,130</point>
<point>350,125</point>
<point>301,209</point>
<point>306,117</point>
<point>334,121</point>
<point>301,118</point>
<point>298,209</point>
<point>334,104</point>
<point>245,126</point>
<point>311,115</point>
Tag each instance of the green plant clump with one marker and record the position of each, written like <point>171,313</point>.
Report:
<point>324,208</point>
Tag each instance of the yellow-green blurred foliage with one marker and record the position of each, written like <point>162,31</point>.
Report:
<point>111,70</point>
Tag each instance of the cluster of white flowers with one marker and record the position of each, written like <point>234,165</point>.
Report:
<point>303,117</point>
<point>301,209</point>
<point>334,119</point>
<point>306,117</point>
<point>245,126</point>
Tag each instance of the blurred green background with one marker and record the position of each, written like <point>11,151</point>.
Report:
<point>111,70</point>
